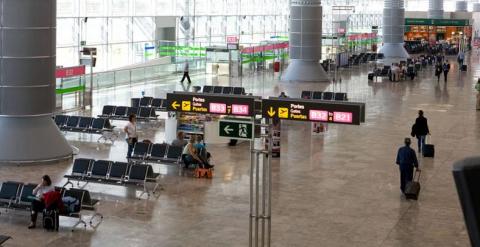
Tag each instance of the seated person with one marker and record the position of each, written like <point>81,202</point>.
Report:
<point>38,204</point>
<point>201,148</point>
<point>180,141</point>
<point>190,155</point>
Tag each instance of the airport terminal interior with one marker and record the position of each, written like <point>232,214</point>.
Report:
<point>180,123</point>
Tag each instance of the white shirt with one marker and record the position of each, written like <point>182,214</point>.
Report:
<point>131,130</point>
<point>42,190</point>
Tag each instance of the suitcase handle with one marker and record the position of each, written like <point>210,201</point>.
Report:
<point>419,172</point>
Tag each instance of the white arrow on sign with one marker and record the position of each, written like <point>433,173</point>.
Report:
<point>227,129</point>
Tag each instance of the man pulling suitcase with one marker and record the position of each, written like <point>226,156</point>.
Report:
<point>407,161</point>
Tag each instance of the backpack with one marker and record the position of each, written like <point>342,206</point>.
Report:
<point>71,204</point>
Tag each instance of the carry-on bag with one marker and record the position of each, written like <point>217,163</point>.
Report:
<point>428,149</point>
<point>413,187</point>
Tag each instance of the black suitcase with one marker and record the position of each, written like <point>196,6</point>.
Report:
<point>412,189</point>
<point>428,150</point>
<point>464,67</point>
<point>50,220</point>
<point>370,76</point>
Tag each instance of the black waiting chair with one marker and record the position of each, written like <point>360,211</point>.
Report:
<point>118,171</point>
<point>174,153</point>
<point>132,110</point>
<point>85,123</point>
<point>238,90</point>
<point>207,89</point>
<point>158,152</point>
<point>145,112</point>
<point>141,150</point>
<point>9,193</point>
<point>100,169</point>
<point>317,95</point>
<point>61,120</point>
<point>327,96</point>
<point>217,89</point>
<point>135,102</point>
<point>306,95</point>
<point>120,111</point>
<point>340,97</point>
<point>72,123</point>
<point>157,103</point>
<point>81,168</point>
<point>227,90</point>
<point>98,125</point>
<point>108,110</point>
<point>146,101</point>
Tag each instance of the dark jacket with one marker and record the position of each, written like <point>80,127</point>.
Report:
<point>420,128</point>
<point>406,158</point>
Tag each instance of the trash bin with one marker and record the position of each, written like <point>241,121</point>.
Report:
<point>276,66</point>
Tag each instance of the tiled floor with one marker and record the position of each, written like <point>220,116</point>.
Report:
<point>339,189</point>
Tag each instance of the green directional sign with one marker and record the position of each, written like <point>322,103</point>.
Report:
<point>235,129</point>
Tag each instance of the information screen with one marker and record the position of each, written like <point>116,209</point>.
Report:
<point>211,104</point>
<point>313,110</point>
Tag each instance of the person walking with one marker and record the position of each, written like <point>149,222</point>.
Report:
<point>438,71</point>
<point>131,131</point>
<point>477,87</point>
<point>460,58</point>
<point>446,69</point>
<point>406,160</point>
<point>186,69</point>
<point>420,130</point>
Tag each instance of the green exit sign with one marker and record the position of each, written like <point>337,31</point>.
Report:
<point>235,129</point>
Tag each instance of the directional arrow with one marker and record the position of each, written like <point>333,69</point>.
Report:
<point>227,129</point>
<point>271,112</point>
<point>175,105</point>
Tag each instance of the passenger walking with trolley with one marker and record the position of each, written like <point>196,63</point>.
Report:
<point>406,160</point>
<point>131,131</point>
<point>420,130</point>
<point>186,69</point>
<point>38,204</point>
<point>477,87</point>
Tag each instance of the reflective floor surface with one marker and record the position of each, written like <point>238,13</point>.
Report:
<point>336,189</point>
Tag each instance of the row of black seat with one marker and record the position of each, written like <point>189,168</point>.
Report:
<point>157,153</point>
<point>364,57</point>
<point>113,173</point>
<point>156,103</point>
<point>123,112</point>
<point>82,124</point>
<point>224,90</point>
<point>324,95</point>
<point>17,195</point>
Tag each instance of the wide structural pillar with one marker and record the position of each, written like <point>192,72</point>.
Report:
<point>461,6</point>
<point>305,42</point>
<point>435,9</point>
<point>393,31</point>
<point>27,83</point>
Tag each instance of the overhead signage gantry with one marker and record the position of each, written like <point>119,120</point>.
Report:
<point>272,110</point>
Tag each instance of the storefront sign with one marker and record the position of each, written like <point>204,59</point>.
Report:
<point>262,48</point>
<point>232,40</point>
<point>70,71</point>
<point>436,22</point>
<point>211,104</point>
<point>313,111</point>
<point>235,129</point>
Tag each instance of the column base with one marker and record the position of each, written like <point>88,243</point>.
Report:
<point>305,71</point>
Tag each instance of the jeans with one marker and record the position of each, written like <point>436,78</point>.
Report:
<point>421,143</point>
<point>406,175</point>
<point>131,145</point>
<point>185,75</point>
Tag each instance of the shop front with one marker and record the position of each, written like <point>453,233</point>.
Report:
<point>453,31</point>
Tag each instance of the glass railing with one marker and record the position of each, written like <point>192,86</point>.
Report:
<point>115,78</point>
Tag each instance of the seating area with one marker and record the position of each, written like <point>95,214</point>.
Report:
<point>88,125</point>
<point>156,103</point>
<point>364,58</point>
<point>144,114</point>
<point>157,153</point>
<point>324,95</point>
<point>19,196</point>
<point>113,173</point>
<point>224,90</point>
<point>3,239</point>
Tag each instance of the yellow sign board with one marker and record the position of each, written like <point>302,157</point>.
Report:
<point>186,106</point>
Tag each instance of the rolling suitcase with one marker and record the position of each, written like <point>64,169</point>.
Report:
<point>370,76</point>
<point>428,149</point>
<point>50,220</point>
<point>413,187</point>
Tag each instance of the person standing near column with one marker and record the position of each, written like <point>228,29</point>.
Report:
<point>186,70</point>
<point>406,160</point>
<point>131,131</point>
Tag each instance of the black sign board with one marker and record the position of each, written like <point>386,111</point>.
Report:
<point>233,105</point>
<point>314,111</point>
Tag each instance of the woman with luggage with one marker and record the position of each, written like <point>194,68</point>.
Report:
<point>38,204</point>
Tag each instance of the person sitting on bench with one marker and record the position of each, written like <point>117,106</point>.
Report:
<point>38,204</point>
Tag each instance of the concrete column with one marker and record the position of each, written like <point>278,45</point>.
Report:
<point>393,32</point>
<point>27,83</point>
<point>476,7</point>
<point>305,42</point>
<point>435,9</point>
